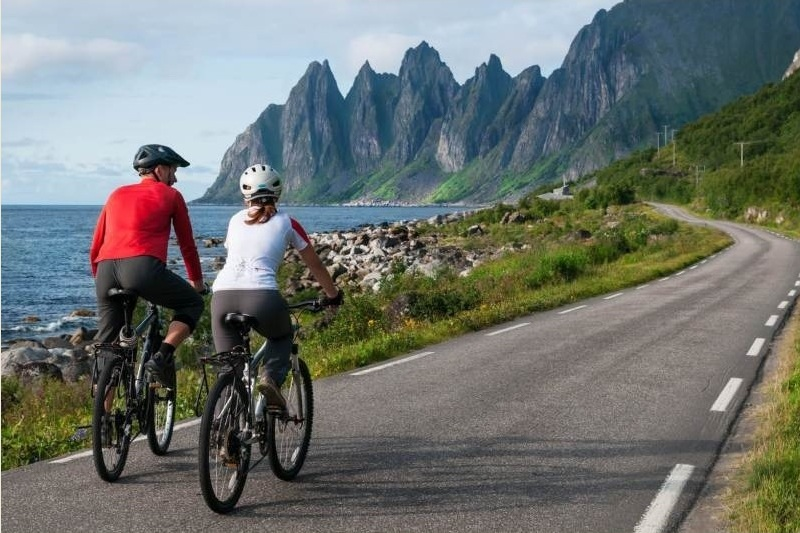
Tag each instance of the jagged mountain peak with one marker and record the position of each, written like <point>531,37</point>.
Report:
<point>418,135</point>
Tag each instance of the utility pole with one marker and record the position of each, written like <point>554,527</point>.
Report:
<point>673,148</point>
<point>697,173</point>
<point>741,150</point>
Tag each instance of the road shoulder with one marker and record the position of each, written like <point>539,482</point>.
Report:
<point>709,514</point>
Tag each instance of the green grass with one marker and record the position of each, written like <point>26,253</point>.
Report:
<point>765,496</point>
<point>628,245</point>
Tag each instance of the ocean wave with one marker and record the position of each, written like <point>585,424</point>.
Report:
<point>67,324</point>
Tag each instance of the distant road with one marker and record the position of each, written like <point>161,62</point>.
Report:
<point>604,416</point>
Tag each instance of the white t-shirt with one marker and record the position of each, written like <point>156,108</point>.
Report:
<point>255,251</point>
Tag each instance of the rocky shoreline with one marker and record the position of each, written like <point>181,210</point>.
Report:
<point>358,260</point>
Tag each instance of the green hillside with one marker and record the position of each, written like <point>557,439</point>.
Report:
<point>741,163</point>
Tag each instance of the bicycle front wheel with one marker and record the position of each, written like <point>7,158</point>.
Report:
<point>290,434</point>
<point>161,418</point>
<point>111,440</point>
<point>224,456</point>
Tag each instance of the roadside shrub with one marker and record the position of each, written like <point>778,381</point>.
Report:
<point>609,246</point>
<point>436,298</point>
<point>665,227</point>
<point>11,392</point>
<point>561,265</point>
<point>359,318</point>
<point>42,424</point>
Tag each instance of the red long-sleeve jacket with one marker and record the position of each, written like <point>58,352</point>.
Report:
<point>136,221</point>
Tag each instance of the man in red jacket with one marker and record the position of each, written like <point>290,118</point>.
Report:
<point>129,251</point>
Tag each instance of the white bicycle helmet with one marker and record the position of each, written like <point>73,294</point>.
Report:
<point>259,181</point>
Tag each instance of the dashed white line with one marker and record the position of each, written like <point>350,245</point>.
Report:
<point>727,395</point>
<point>498,332</point>
<point>783,304</point>
<point>771,321</point>
<point>756,347</point>
<point>693,267</point>
<point>642,286</point>
<point>387,365</point>
<point>792,293</point>
<point>681,273</point>
<point>612,296</point>
<point>655,518</point>
<point>571,310</point>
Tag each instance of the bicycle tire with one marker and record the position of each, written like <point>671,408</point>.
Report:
<point>289,435</point>
<point>110,446</point>
<point>160,418</point>
<point>223,459</point>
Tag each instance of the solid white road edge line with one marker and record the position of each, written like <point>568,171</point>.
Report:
<point>727,395</point>
<point>657,513</point>
<point>88,453</point>
<point>387,365</point>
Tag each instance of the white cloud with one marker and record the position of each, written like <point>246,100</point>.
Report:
<point>199,75</point>
<point>29,55</point>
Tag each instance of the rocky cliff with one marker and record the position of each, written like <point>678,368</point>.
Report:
<point>420,136</point>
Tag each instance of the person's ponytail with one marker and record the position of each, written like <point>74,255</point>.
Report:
<point>260,210</point>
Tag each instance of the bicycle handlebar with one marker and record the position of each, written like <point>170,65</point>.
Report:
<point>314,306</point>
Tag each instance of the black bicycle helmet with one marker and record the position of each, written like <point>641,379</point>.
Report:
<point>150,155</point>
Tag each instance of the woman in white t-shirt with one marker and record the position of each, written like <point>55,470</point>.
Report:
<point>256,242</point>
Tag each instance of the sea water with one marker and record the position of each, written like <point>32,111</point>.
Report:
<point>44,256</point>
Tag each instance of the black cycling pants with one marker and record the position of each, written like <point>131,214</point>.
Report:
<point>274,323</point>
<point>153,281</point>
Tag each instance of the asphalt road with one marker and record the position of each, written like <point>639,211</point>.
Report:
<point>603,415</point>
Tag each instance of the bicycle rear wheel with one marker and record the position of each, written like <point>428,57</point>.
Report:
<point>290,434</point>
<point>110,441</point>
<point>223,457</point>
<point>161,418</point>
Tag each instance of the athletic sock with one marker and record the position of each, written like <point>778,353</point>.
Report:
<point>166,350</point>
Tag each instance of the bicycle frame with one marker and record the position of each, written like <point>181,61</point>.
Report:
<point>130,341</point>
<point>251,362</point>
<point>235,417</point>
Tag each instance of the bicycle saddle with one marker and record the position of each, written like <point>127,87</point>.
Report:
<point>121,293</point>
<point>240,319</point>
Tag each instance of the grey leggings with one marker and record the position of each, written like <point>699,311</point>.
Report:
<point>274,323</point>
<point>154,282</point>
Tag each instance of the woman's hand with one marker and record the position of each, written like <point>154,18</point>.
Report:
<point>336,301</point>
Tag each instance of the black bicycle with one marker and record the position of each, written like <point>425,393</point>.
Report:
<point>126,403</point>
<point>236,417</point>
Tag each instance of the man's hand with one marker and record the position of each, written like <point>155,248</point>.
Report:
<point>198,285</point>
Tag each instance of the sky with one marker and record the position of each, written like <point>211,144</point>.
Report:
<point>85,83</point>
